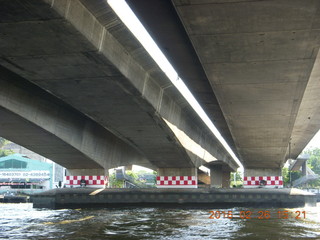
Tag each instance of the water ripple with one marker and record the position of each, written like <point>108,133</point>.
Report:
<point>21,221</point>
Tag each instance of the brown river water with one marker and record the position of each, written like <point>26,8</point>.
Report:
<point>22,221</point>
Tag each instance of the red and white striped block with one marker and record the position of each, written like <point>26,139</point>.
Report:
<point>91,181</point>
<point>271,181</point>
<point>177,182</point>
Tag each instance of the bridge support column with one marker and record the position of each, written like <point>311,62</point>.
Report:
<point>216,176</point>
<point>263,177</point>
<point>97,178</point>
<point>226,179</point>
<point>220,177</point>
<point>177,178</point>
<point>85,172</point>
<point>304,168</point>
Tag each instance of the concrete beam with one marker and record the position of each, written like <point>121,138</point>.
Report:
<point>260,60</point>
<point>88,52</point>
<point>33,118</point>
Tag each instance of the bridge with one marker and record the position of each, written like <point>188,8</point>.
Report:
<point>78,87</point>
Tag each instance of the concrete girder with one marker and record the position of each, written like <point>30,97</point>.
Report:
<point>84,57</point>
<point>33,118</point>
<point>260,60</point>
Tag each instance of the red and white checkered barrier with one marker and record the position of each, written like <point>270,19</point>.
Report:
<point>91,181</point>
<point>270,182</point>
<point>177,182</point>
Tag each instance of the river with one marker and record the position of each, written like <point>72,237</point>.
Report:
<point>21,221</point>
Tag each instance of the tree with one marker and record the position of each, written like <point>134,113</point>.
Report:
<point>314,160</point>
<point>115,183</point>
<point>314,163</point>
<point>286,176</point>
<point>236,179</point>
<point>4,152</point>
<point>2,142</point>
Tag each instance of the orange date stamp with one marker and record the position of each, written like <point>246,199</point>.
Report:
<point>263,214</point>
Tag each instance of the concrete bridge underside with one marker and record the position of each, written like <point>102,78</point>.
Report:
<point>261,60</point>
<point>40,122</point>
<point>80,53</point>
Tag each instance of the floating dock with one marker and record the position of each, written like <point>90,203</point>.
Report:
<point>177,198</point>
<point>13,199</point>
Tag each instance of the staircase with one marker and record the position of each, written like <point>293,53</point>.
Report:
<point>305,179</point>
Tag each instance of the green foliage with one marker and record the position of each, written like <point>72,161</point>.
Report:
<point>286,176</point>
<point>4,152</point>
<point>2,142</point>
<point>236,179</point>
<point>114,183</point>
<point>314,160</point>
<point>295,175</point>
<point>314,163</point>
<point>141,178</point>
<point>136,179</point>
<point>132,174</point>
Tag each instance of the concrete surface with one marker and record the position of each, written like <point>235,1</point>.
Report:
<point>179,198</point>
<point>37,120</point>
<point>81,53</point>
<point>258,57</point>
<point>256,172</point>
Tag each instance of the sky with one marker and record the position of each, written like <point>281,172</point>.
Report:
<point>315,141</point>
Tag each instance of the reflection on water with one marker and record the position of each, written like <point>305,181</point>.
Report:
<point>21,221</point>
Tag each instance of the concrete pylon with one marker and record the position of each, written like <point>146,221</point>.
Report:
<point>255,172</point>
<point>304,168</point>
<point>263,177</point>
<point>177,172</point>
<point>220,177</point>
<point>86,172</point>
<point>226,179</point>
<point>216,176</point>
<point>177,178</point>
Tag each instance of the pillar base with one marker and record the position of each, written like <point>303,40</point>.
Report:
<point>219,176</point>
<point>177,178</point>
<point>263,178</point>
<point>96,178</point>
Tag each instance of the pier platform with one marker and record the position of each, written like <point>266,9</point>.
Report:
<point>181,198</point>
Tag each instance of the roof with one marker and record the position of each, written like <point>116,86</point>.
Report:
<point>31,163</point>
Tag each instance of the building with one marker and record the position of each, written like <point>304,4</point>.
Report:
<point>20,173</point>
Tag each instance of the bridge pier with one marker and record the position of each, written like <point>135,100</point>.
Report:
<point>263,177</point>
<point>177,178</point>
<point>98,178</point>
<point>220,177</point>
<point>304,168</point>
<point>86,172</point>
<point>226,179</point>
